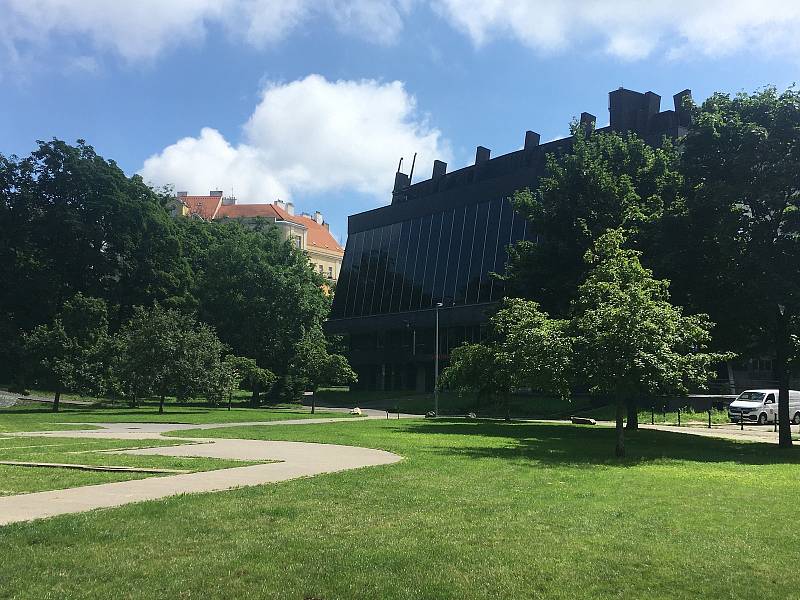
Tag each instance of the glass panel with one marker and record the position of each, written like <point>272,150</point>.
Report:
<point>426,299</point>
<point>355,265</point>
<point>379,252</point>
<point>391,268</point>
<point>443,257</point>
<point>340,297</point>
<point>454,256</point>
<point>501,254</point>
<point>364,276</point>
<point>421,261</point>
<point>489,251</point>
<point>467,238</point>
<point>398,285</point>
<point>476,258</point>
<point>411,263</point>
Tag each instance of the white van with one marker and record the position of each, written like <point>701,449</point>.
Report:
<point>761,406</point>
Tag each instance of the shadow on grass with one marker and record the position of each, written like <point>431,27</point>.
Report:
<point>551,444</point>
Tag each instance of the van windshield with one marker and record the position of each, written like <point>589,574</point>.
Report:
<point>751,396</point>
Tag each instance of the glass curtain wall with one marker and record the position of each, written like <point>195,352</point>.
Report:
<point>445,257</point>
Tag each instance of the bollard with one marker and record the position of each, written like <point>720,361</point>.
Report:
<point>679,417</point>
<point>775,425</point>
<point>741,421</point>
<point>652,415</point>
<point>387,414</point>
<point>709,418</point>
<point>664,412</point>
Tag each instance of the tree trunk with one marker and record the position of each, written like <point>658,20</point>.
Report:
<point>782,372</point>
<point>57,399</point>
<point>632,407</point>
<point>619,451</point>
<point>254,398</point>
<point>161,404</point>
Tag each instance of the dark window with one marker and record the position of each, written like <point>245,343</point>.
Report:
<point>432,262</point>
<point>421,261</point>
<point>501,252</point>
<point>454,256</point>
<point>355,272</point>
<point>391,268</point>
<point>411,260</point>
<point>380,252</point>
<point>398,285</point>
<point>443,259</point>
<point>364,277</point>
<point>467,237</point>
<point>476,257</point>
<point>340,298</point>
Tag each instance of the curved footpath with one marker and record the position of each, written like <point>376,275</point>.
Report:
<point>297,459</point>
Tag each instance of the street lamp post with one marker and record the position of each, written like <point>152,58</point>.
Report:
<point>436,364</point>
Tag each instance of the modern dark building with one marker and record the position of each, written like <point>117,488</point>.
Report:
<point>438,244</point>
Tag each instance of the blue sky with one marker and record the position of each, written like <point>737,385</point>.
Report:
<point>315,101</point>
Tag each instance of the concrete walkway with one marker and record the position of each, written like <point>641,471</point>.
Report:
<point>297,459</point>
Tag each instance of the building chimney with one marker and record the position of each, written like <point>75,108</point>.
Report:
<point>290,208</point>
<point>280,204</point>
<point>318,217</point>
<point>587,121</point>
<point>215,193</point>
<point>482,155</point>
<point>531,140</point>
<point>181,194</point>
<point>439,169</point>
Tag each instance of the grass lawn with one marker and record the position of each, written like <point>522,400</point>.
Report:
<point>41,418</point>
<point>19,479</point>
<point>608,413</point>
<point>477,510</point>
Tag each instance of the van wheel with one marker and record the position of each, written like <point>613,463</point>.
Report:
<point>762,419</point>
<point>796,418</point>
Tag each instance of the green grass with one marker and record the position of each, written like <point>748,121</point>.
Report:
<point>476,510</point>
<point>41,418</point>
<point>19,479</point>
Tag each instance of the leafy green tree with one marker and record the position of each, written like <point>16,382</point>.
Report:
<point>260,294</point>
<point>72,351</point>
<point>736,249</point>
<point>71,221</point>
<point>313,366</point>
<point>629,340</point>
<point>235,371</point>
<point>525,349</point>
<point>167,352</point>
<point>606,180</point>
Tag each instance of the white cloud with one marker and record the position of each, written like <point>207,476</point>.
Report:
<point>633,29</point>
<point>306,136</point>
<point>140,30</point>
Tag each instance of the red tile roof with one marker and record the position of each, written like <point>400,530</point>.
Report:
<point>205,207</point>
<point>233,211</point>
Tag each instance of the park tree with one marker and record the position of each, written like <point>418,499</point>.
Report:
<point>314,366</point>
<point>71,221</point>
<point>260,294</point>
<point>71,352</point>
<point>605,180</point>
<point>736,246</point>
<point>629,340</point>
<point>524,348</point>
<point>166,351</point>
<point>235,372</point>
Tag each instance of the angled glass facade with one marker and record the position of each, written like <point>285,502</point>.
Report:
<point>445,257</point>
<point>439,242</point>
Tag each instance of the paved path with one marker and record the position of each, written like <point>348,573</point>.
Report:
<point>297,459</point>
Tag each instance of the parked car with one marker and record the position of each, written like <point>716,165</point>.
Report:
<point>761,406</point>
